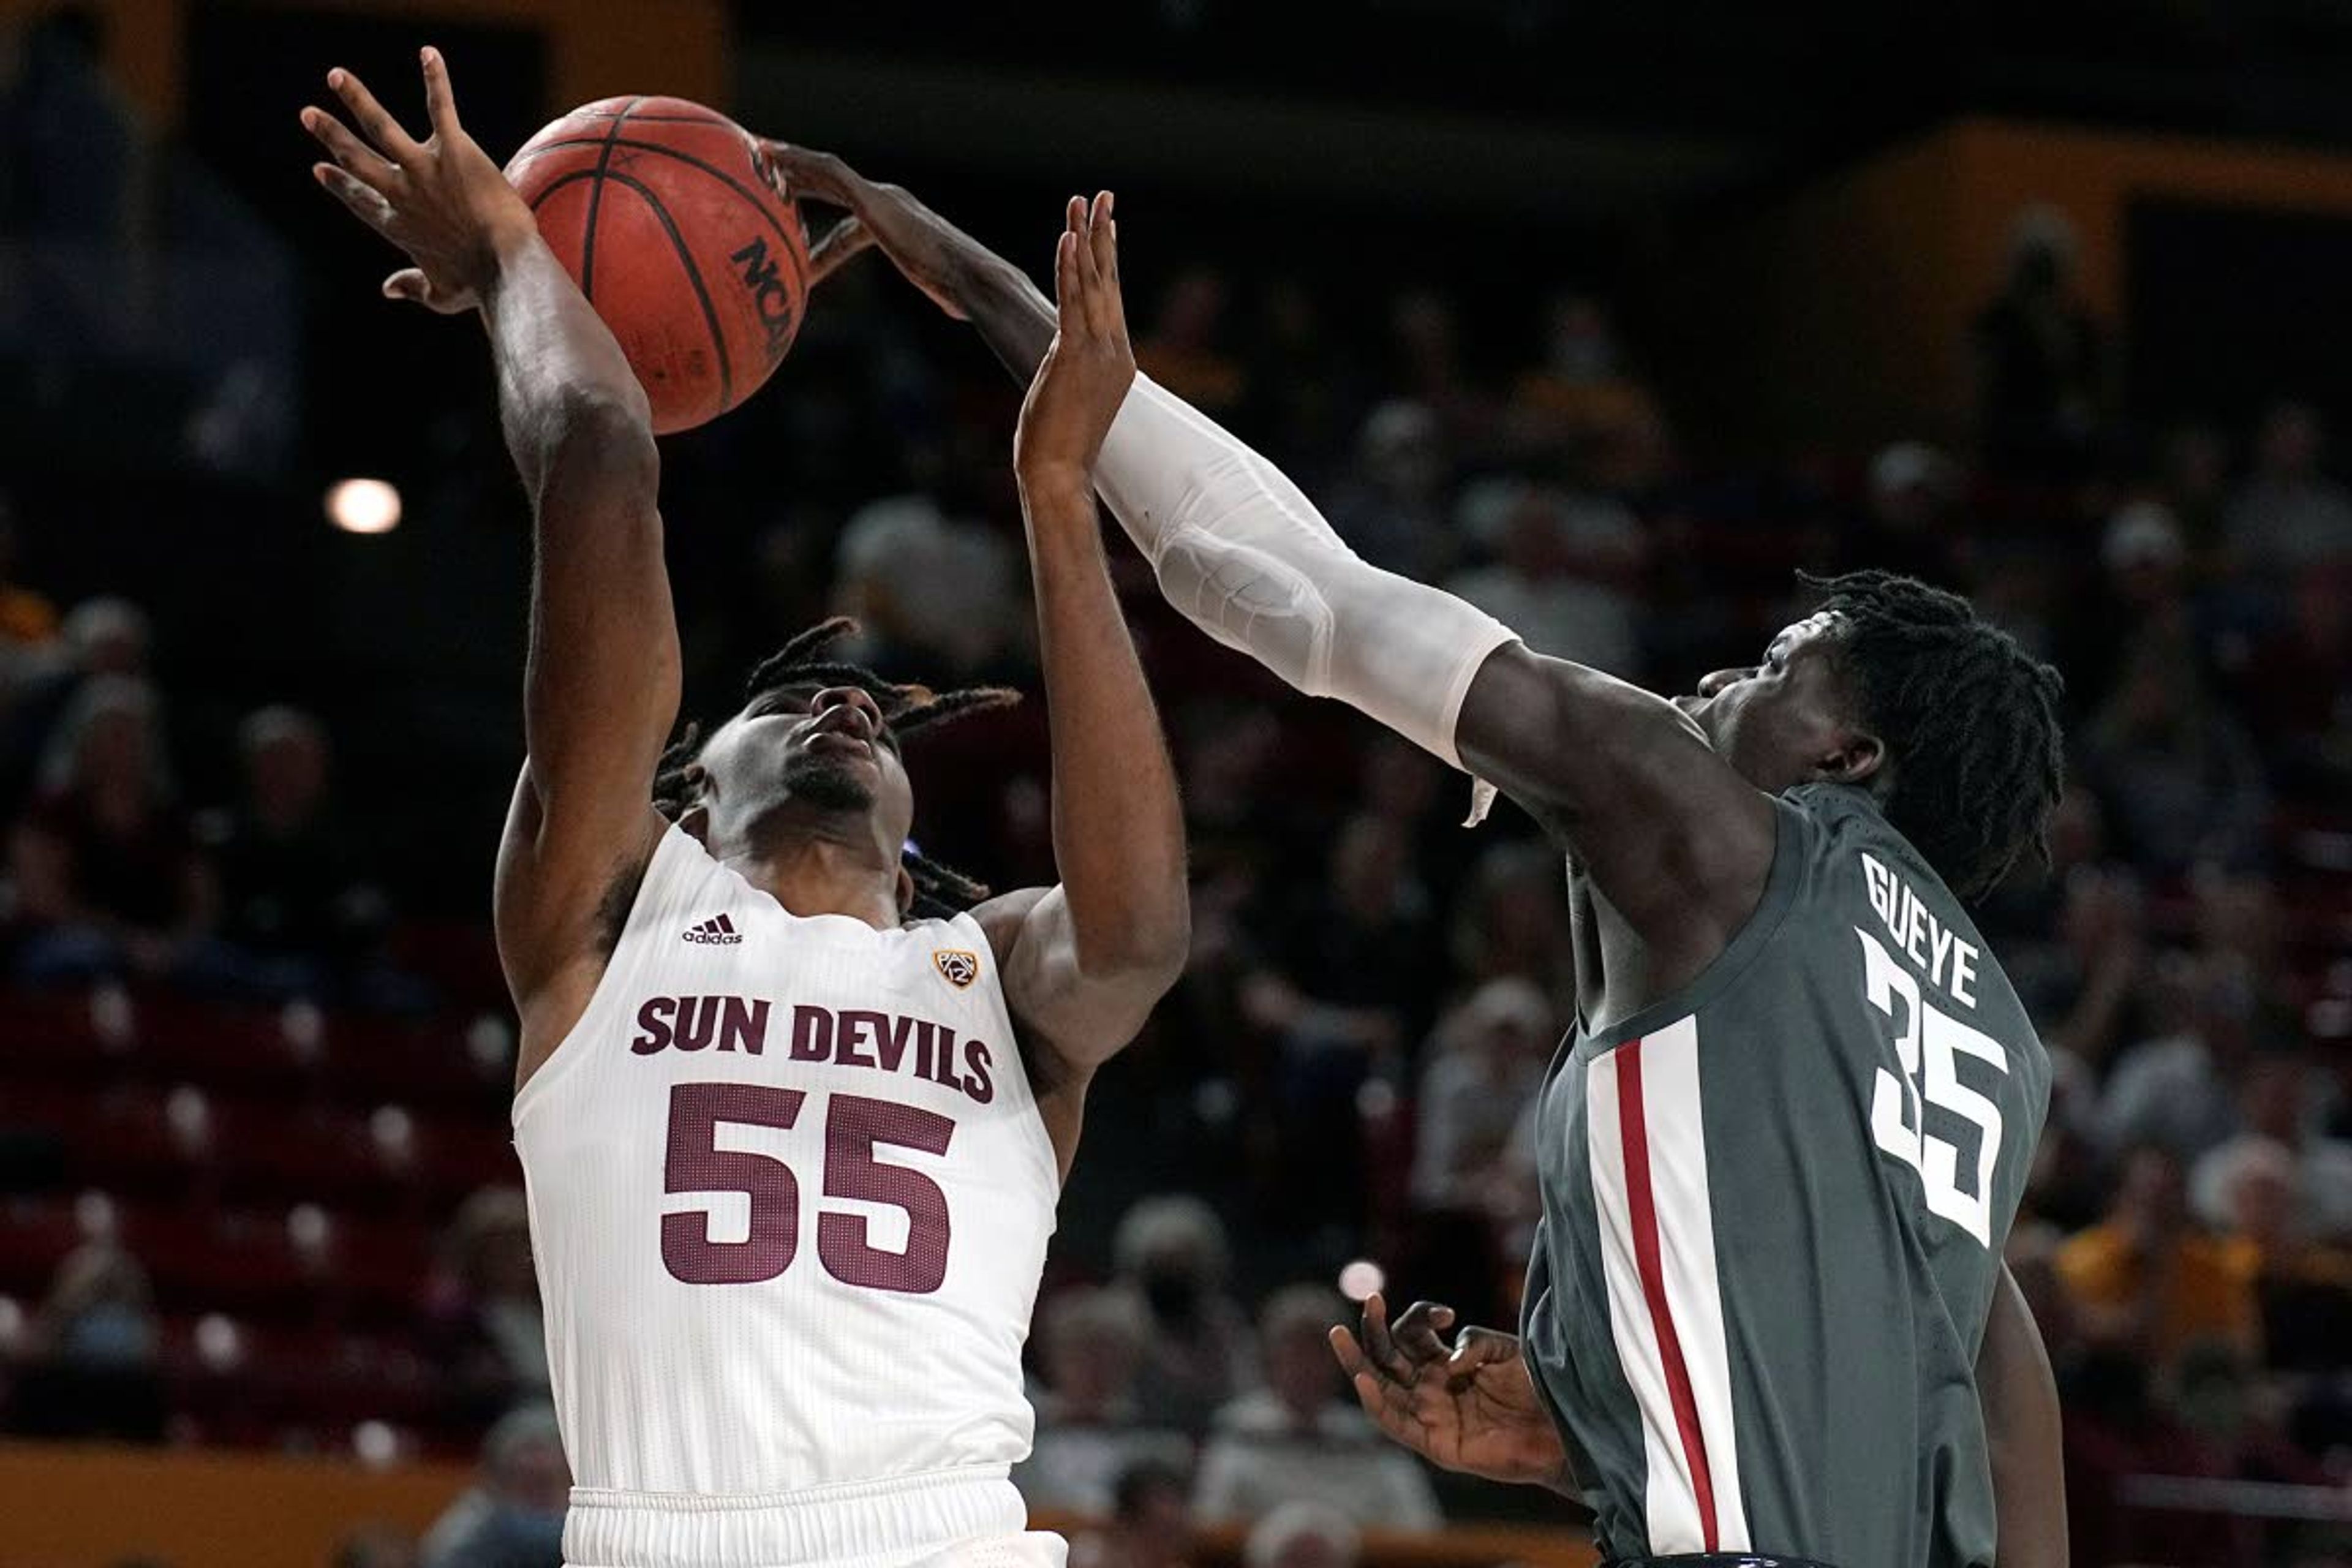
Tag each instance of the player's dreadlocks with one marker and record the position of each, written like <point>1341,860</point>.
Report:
<point>939,891</point>
<point>1969,719</point>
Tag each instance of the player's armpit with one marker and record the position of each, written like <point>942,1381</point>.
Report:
<point>557,915</point>
<point>1676,840</point>
<point>1072,1017</point>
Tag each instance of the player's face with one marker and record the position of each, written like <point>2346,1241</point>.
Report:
<point>1784,722</point>
<point>826,748</point>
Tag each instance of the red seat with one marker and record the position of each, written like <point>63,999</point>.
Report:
<point>372,1062</point>
<point>272,1157</point>
<point>51,1036</point>
<point>214,1046</point>
<point>237,1262</point>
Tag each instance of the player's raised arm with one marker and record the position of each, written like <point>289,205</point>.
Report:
<point>601,686</point>
<point>1670,833</point>
<point>1083,962</point>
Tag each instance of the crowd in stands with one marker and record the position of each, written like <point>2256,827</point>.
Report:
<point>1347,1068</point>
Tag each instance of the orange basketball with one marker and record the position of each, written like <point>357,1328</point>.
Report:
<point>659,210</point>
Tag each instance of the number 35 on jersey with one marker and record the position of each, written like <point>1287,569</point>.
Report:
<point>1956,1156</point>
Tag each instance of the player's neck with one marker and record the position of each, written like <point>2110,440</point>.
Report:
<point>823,874</point>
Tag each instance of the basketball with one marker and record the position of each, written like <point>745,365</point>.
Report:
<point>657,207</point>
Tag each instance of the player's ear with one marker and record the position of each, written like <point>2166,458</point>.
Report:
<point>1857,762</point>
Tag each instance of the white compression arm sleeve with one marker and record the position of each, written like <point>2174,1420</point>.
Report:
<point>1249,559</point>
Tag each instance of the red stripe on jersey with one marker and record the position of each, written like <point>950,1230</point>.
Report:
<point>1634,1132</point>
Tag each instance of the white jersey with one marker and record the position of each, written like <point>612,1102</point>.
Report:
<point>789,1197</point>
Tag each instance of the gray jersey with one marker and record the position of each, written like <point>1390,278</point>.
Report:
<point>1774,1206</point>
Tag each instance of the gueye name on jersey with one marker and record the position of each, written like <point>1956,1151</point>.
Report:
<point>849,1037</point>
<point>1948,961</point>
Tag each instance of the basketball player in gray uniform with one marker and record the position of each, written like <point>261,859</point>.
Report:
<point>1767,1317</point>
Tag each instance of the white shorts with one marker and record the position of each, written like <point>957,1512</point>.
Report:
<point>940,1519</point>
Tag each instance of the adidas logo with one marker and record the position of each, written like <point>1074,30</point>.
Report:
<point>719,931</point>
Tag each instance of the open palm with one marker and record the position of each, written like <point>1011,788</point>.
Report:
<point>1471,1408</point>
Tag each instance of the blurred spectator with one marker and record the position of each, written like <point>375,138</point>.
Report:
<point>2192,479</point>
<point>513,1516</point>
<point>375,1546</point>
<point>1150,1523</point>
<point>1907,516</point>
<point>1581,411</point>
<point>1183,349</point>
<point>108,877</point>
<point>1299,1440</point>
<point>927,590</point>
<point>2065,1185</point>
<point>1512,918</point>
<point>1171,1259</point>
<point>2303,1285</point>
<point>1352,959</point>
<point>1302,1535</point>
<point>2295,686</point>
<point>1350,970</point>
<point>2173,1088</point>
<point>2146,1281</point>
<point>91,1365</point>
<point>2142,607</point>
<point>2041,358</point>
<point>2241,932</point>
<point>2181,782</point>
<point>293,900</point>
<point>2084,991</point>
<point>2288,516</point>
<point>28,620</point>
<point>2281,1109</point>
<point>2224,1406</point>
<point>483,1304</point>
<point>1393,511</point>
<point>1426,338</point>
<point>1565,573</point>
<point>1485,1065</point>
<point>1088,1431</point>
<point>99,638</point>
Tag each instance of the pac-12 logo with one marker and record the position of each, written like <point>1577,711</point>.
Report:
<point>769,295</point>
<point>957,967</point>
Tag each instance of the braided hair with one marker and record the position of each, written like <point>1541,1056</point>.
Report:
<point>939,891</point>
<point>1970,718</point>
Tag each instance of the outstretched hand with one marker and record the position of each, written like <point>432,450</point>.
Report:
<point>441,200</point>
<point>1470,1407</point>
<point>802,177</point>
<point>1079,389</point>
<point>921,245</point>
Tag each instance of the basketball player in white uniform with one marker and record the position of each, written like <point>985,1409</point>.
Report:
<point>792,1154</point>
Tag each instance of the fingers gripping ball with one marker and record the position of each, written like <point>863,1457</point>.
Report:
<point>657,207</point>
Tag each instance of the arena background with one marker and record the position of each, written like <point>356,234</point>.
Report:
<point>1610,317</point>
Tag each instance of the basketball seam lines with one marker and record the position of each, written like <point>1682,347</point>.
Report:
<point>558,183</point>
<point>595,199</point>
<point>716,173</point>
<point>693,276</point>
<point>650,118</point>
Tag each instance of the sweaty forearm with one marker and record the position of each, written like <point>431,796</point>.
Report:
<point>1118,827</point>
<point>1012,315</point>
<point>567,398</point>
<point>1244,555</point>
